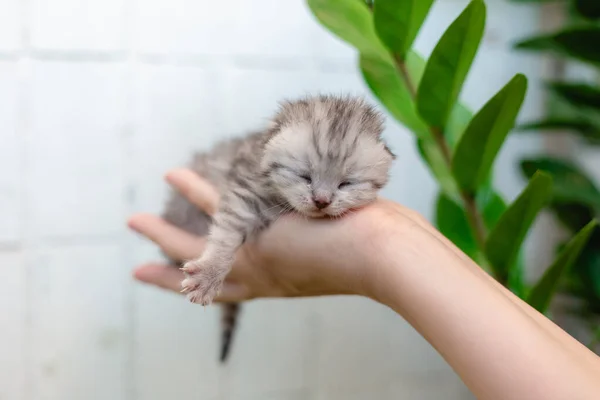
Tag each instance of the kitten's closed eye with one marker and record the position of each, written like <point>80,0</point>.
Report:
<point>344,184</point>
<point>306,178</point>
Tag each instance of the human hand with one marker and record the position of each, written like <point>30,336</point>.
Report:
<point>295,257</point>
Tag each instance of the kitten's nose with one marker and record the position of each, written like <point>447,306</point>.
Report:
<point>321,202</point>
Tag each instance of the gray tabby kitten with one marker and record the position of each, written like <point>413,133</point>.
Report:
<point>320,156</point>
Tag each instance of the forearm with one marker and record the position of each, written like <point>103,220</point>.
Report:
<point>501,348</point>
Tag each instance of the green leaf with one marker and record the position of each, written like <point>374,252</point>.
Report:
<point>586,272</point>
<point>391,90</point>
<point>580,43</point>
<point>384,81</point>
<point>351,21</point>
<point>481,142</point>
<point>578,94</point>
<point>589,9</point>
<point>457,124</point>
<point>492,206</point>
<point>398,22</point>
<point>460,116</point>
<point>452,221</point>
<point>571,185</point>
<point>505,240</point>
<point>541,294</point>
<point>449,65</point>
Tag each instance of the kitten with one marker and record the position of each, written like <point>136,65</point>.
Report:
<point>320,157</point>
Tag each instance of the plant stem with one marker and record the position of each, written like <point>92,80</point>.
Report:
<point>474,217</point>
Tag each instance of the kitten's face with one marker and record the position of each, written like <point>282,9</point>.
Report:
<point>325,163</point>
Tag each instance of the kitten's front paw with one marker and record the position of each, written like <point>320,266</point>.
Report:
<point>203,283</point>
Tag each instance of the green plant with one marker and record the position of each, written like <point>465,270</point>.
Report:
<point>574,107</point>
<point>458,147</point>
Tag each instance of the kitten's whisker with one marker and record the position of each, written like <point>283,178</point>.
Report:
<point>284,211</point>
<point>285,203</point>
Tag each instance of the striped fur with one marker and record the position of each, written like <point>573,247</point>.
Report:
<point>230,312</point>
<point>320,150</point>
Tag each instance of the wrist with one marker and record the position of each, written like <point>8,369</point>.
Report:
<point>398,242</point>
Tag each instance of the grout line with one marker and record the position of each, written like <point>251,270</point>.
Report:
<point>10,247</point>
<point>23,125</point>
<point>312,364</point>
<point>78,56</point>
<point>9,56</point>
<point>251,61</point>
<point>63,241</point>
<point>128,163</point>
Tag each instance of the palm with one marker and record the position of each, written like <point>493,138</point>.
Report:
<point>294,257</point>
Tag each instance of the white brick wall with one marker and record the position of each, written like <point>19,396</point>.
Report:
<point>97,100</point>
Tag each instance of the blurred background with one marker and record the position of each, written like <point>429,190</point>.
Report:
<point>97,100</point>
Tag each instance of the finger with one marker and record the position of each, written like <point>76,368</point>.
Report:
<point>161,275</point>
<point>233,292</point>
<point>196,189</point>
<point>168,277</point>
<point>176,243</point>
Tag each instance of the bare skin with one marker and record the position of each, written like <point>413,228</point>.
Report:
<point>500,347</point>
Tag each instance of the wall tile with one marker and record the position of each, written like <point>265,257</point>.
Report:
<point>285,395</point>
<point>13,297</point>
<point>175,342</point>
<point>352,343</point>
<point>328,46</point>
<point>233,27</point>
<point>78,25</point>
<point>252,95</point>
<point>524,21</point>
<point>79,323</point>
<point>10,151</point>
<point>275,28</point>
<point>499,34</point>
<point>274,350</point>
<point>430,386</point>
<point>10,25</point>
<point>408,352</point>
<point>378,392</point>
<point>187,26</point>
<point>439,19</point>
<point>177,112</point>
<point>75,150</point>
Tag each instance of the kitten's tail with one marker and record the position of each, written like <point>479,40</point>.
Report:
<point>229,316</point>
